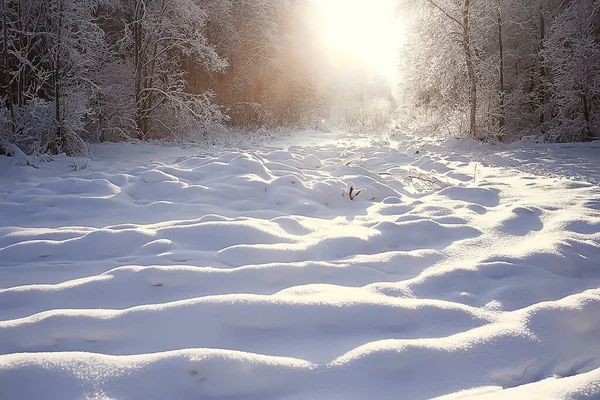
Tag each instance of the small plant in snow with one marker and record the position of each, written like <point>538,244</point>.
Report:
<point>351,191</point>
<point>422,181</point>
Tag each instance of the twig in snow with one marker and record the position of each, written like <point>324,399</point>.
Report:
<point>352,193</point>
<point>430,181</point>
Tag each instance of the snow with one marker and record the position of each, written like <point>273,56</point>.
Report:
<point>462,271</point>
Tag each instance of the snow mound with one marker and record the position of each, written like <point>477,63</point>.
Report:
<point>325,266</point>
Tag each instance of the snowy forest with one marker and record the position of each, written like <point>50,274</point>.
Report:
<point>506,68</point>
<point>80,71</point>
<point>300,199</point>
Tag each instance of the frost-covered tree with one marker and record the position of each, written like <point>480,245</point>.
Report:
<point>8,118</point>
<point>161,36</point>
<point>74,51</point>
<point>572,56</point>
<point>442,57</point>
<point>50,53</point>
<point>26,72</point>
<point>534,63</point>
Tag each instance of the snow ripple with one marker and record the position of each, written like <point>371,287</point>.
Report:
<point>326,267</point>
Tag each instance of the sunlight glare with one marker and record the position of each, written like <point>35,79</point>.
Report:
<point>367,29</point>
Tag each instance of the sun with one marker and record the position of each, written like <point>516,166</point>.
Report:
<point>367,29</point>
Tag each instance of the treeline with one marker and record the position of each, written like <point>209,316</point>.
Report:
<point>91,70</point>
<point>505,68</point>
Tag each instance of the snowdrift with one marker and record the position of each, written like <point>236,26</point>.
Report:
<point>319,266</point>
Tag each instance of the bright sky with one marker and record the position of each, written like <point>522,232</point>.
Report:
<point>368,29</point>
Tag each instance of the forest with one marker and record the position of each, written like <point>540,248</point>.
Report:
<point>506,68</point>
<point>299,199</point>
<point>82,71</point>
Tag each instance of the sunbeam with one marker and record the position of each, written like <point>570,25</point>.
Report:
<point>368,30</point>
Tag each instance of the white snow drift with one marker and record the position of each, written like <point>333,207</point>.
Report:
<point>154,272</point>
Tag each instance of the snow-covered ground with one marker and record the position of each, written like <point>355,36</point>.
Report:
<point>151,272</point>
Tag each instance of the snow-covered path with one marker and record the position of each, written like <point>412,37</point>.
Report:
<point>155,273</point>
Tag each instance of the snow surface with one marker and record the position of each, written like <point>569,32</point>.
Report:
<point>457,270</point>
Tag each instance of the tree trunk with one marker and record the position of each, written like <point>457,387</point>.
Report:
<point>62,145</point>
<point>467,45</point>
<point>468,50</point>
<point>21,78</point>
<point>8,77</point>
<point>501,72</point>
<point>587,131</point>
<point>138,60</point>
<point>543,95</point>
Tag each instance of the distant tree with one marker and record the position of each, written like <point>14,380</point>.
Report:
<point>571,54</point>
<point>442,58</point>
<point>74,51</point>
<point>528,67</point>
<point>460,16</point>
<point>161,35</point>
<point>251,35</point>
